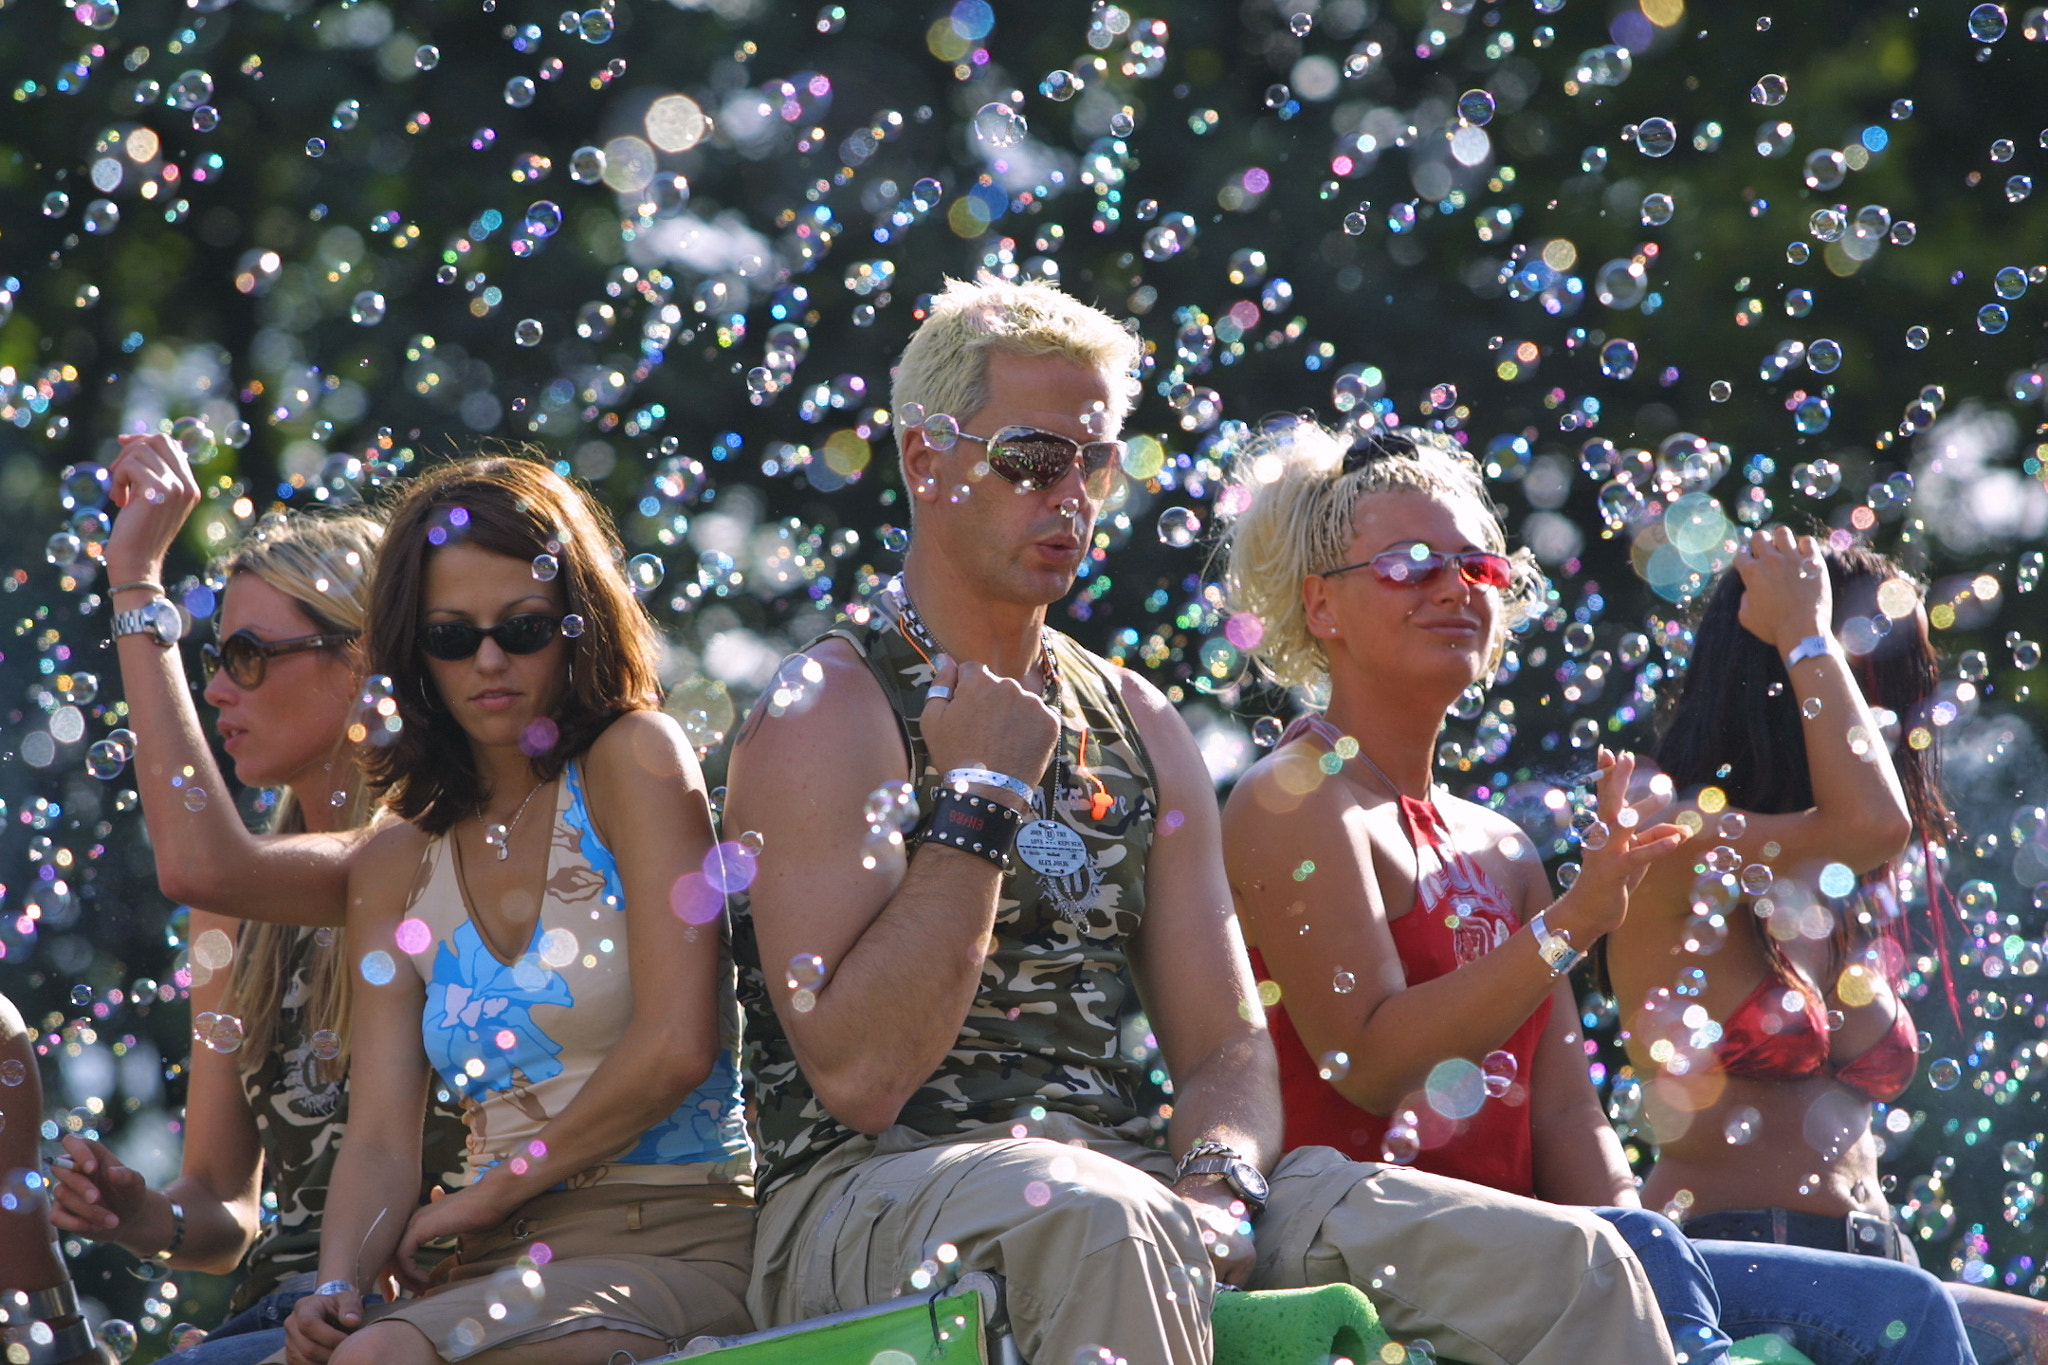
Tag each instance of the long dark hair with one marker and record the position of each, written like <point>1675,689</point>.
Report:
<point>521,508</point>
<point>1736,723</point>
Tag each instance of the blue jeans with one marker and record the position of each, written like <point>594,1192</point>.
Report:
<point>250,1336</point>
<point>246,1338</point>
<point>1683,1284</point>
<point>1837,1308</point>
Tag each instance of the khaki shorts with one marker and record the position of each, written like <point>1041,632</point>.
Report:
<point>669,1262</point>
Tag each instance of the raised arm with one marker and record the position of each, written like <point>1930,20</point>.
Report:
<point>902,947</point>
<point>219,1176</point>
<point>647,798</point>
<point>205,856</point>
<point>1301,868</point>
<point>376,1177</point>
<point>1859,816</point>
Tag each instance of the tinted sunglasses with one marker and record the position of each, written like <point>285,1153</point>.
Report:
<point>1035,459</point>
<point>1403,568</point>
<point>245,657</point>
<point>526,633</point>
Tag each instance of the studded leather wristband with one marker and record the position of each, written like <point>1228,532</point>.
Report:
<point>973,824</point>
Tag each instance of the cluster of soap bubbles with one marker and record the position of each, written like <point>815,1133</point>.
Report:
<point>734,259</point>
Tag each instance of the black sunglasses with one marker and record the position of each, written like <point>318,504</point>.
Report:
<point>526,633</point>
<point>1036,459</point>
<point>245,656</point>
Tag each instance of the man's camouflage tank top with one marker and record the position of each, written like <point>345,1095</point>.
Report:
<point>1043,1033</point>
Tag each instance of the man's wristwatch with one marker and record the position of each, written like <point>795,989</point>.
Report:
<point>1554,945</point>
<point>1246,1181</point>
<point>158,619</point>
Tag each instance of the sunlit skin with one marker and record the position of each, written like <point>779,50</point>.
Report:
<point>1804,1144</point>
<point>288,730</point>
<point>494,695</point>
<point>1007,551</point>
<point>1399,656</point>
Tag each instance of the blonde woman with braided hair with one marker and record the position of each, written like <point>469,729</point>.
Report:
<point>1425,1015</point>
<point>267,1101</point>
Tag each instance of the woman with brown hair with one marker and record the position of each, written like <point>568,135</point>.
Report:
<point>266,1102</point>
<point>542,930</point>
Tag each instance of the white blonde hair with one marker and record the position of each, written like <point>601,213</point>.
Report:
<point>1290,505</point>
<point>944,369</point>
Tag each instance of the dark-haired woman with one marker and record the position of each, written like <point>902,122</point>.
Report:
<point>1758,976</point>
<point>1423,1011</point>
<point>542,931</point>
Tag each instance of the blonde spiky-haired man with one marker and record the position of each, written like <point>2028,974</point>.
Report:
<point>937,1040</point>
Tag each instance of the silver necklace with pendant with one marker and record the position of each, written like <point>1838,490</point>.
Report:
<point>498,838</point>
<point>1051,848</point>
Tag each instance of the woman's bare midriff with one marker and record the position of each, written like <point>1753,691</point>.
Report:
<point>1787,1128</point>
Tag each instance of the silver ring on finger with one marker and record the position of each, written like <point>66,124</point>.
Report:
<point>938,692</point>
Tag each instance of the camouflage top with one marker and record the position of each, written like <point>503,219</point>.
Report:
<point>300,1118</point>
<point>1043,1032</point>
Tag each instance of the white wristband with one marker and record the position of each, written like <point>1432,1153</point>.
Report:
<point>987,777</point>
<point>1812,647</point>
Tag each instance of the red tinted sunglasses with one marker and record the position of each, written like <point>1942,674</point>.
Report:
<point>1409,569</point>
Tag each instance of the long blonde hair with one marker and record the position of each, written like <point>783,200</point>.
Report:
<point>1291,501</point>
<point>323,563</point>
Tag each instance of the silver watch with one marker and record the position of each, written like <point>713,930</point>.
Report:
<point>158,618</point>
<point>1554,946</point>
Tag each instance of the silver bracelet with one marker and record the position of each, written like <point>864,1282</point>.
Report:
<point>959,778</point>
<point>334,1287</point>
<point>1554,945</point>
<point>177,1235</point>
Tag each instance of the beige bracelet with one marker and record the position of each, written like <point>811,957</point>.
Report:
<point>150,583</point>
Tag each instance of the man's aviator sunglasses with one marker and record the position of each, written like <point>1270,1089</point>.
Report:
<point>526,633</point>
<point>1409,569</point>
<point>245,657</point>
<point>1034,459</point>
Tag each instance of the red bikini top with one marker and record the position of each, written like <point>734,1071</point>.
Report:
<point>1780,1033</point>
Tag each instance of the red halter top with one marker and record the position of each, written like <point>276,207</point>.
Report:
<point>1459,915</point>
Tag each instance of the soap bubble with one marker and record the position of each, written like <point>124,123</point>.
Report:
<point>1769,90</point>
<point>1179,527</point>
<point>1657,209</point>
<point>1987,23</point>
<point>545,568</point>
<point>1061,86</point>
<point>1656,137</point>
<point>325,1044</point>
<point>118,1335</point>
<point>543,218</point>
<point>367,309</point>
<point>999,126</point>
<point>1476,108</point>
<point>1943,1073</point>
<point>528,332</point>
<point>519,91</point>
<point>1499,1069</point>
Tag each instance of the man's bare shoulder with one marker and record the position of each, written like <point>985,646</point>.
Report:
<point>824,708</point>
